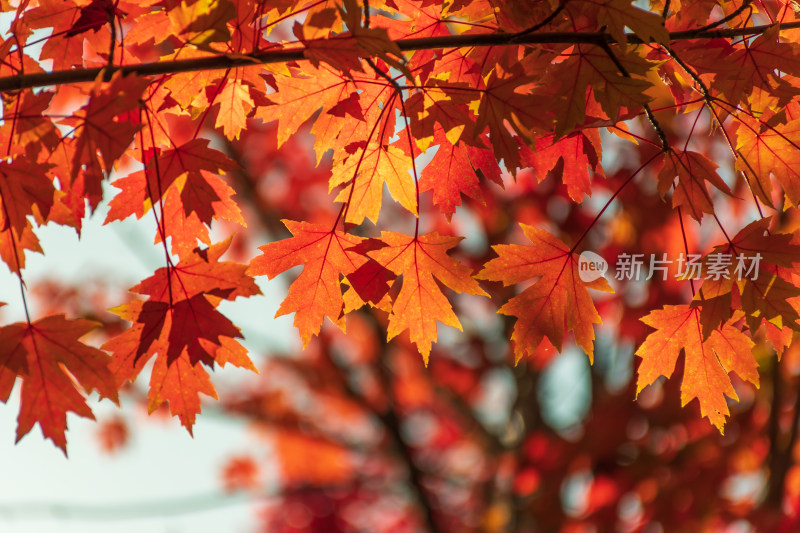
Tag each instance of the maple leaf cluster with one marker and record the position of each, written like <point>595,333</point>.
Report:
<point>419,111</point>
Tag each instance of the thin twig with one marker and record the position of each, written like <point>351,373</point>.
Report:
<point>662,137</point>
<point>110,64</point>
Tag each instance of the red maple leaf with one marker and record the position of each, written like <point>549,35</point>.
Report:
<point>758,274</point>
<point>24,187</point>
<point>371,281</point>
<point>769,148</point>
<point>141,189</point>
<point>559,301</point>
<point>455,170</point>
<point>106,129</point>
<point>692,171</point>
<point>95,16</point>
<point>180,324</point>
<point>50,359</point>
<point>568,159</point>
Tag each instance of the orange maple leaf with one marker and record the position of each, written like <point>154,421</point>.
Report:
<point>707,362</point>
<point>590,66</point>
<point>235,105</point>
<point>12,246</point>
<point>559,301</point>
<point>316,293</point>
<point>181,177</point>
<point>750,70</point>
<point>442,105</point>
<point>615,15</point>
<point>420,304</point>
<point>366,171</point>
<point>507,98</point>
<point>203,23</point>
<point>300,96</point>
<point>770,148</point>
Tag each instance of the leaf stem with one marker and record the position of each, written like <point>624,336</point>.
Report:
<point>160,224</point>
<point>685,246</point>
<point>7,222</point>
<point>346,207</point>
<point>112,44</point>
<point>608,203</point>
<point>10,231</point>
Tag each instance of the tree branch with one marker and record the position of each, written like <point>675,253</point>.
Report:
<point>391,422</point>
<point>293,52</point>
<point>775,492</point>
<point>789,450</point>
<point>780,454</point>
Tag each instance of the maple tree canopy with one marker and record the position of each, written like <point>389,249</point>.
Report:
<point>558,126</point>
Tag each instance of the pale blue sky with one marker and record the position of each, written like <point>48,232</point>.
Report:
<point>163,463</point>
